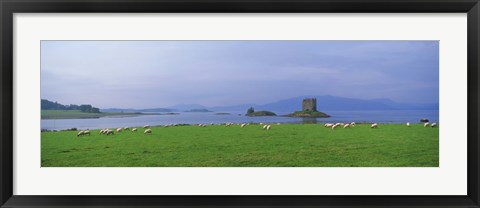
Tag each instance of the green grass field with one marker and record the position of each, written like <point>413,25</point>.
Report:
<point>286,145</point>
<point>75,114</point>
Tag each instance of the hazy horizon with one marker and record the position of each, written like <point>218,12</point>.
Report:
<point>213,106</point>
<point>152,74</point>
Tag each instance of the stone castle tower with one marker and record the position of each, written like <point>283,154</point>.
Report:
<point>309,104</point>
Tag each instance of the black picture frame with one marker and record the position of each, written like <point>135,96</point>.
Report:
<point>9,7</point>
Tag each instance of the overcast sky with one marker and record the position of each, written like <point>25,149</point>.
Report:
<point>144,74</point>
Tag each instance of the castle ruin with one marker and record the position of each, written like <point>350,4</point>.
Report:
<point>309,104</point>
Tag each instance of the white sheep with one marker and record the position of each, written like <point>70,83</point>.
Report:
<point>105,131</point>
<point>425,124</point>
<point>374,125</point>
<point>243,125</point>
<point>108,132</point>
<point>352,124</point>
<point>328,125</point>
<point>434,125</point>
<point>335,126</point>
<point>119,130</point>
<point>269,127</point>
<point>346,126</point>
<point>408,124</point>
<point>147,131</point>
<point>134,130</point>
<point>86,132</point>
<point>146,126</point>
<point>80,133</point>
<point>264,127</point>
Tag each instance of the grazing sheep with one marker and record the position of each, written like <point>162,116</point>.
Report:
<point>434,125</point>
<point>146,126</point>
<point>327,125</point>
<point>278,123</point>
<point>148,131</point>
<point>105,131</point>
<point>352,124</point>
<point>134,130</point>
<point>126,128</point>
<point>269,127</point>
<point>86,132</point>
<point>261,123</point>
<point>119,130</point>
<point>101,131</point>
<point>374,126</point>
<point>408,124</point>
<point>264,127</point>
<point>335,126</point>
<point>346,126</point>
<point>108,132</point>
<point>426,124</point>
<point>243,125</point>
<point>80,133</point>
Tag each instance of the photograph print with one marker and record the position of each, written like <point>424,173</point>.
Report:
<point>240,103</point>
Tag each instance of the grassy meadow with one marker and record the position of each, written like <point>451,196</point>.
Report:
<point>285,145</point>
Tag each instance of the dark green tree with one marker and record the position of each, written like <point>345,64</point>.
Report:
<point>85,108</point>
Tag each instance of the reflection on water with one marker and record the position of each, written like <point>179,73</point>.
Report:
<point>309,120</point>
<point>401,116</point>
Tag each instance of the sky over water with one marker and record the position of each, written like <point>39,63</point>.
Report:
<point>145,74</point>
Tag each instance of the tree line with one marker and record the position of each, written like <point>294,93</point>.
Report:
<point>49,105</point>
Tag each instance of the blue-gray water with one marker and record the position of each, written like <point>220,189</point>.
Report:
<point>400,116</point>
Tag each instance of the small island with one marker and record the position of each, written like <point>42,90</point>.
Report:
<point>309,114</point>
<point>252,112</point>
<point>222,114</point>
<point>309,110</point>
<point>168,114</point>
<point>199,110</point>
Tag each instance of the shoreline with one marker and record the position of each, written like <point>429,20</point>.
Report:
<point>320,124</point>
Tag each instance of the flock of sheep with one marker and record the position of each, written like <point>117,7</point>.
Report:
<point>264,126</point>
<point>345,125</point>
<point>118,130</point>
<point>267,127</point>
<point>373,126</point>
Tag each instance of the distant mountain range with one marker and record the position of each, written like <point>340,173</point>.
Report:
<point>324,103</point>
